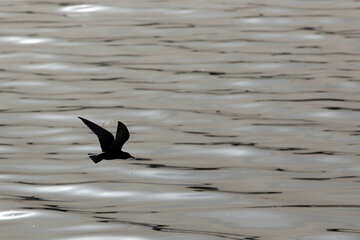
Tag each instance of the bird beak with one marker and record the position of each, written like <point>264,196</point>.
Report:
<point>132,157</point>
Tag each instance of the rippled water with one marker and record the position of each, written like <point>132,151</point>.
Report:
<point>244,117</point>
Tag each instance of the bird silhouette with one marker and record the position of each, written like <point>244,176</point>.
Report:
<point>110,146</point>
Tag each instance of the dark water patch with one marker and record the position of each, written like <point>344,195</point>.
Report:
<point>330,153</point>
<point>52,153</point>
<point>216,73</point>
<point>311,46</point>
<point>215,143</point>
<point>347,69</point>
<point>146,24</point>
<point>308,206</point>
<point>281,54</point>
<point>11,91</point>
<point>155,165</point>
<point>341,77</point>
<point>324,179</point>
<point>342,131</point>
<point>6,144</point>
<point>165,90</point>
<point>282,149</point>
<point>51,207</point>
<point>309,62</point>
<point>281,76</point>
<point>164,228</point>
<point>26,198</point>
<point>308,100</point>
<point>102,64</point>
<point>146,69</point>
<point>105,219</point>
<point>196,132</point>
<point>318,30</point>
<point>106,79</point>
<point>126,212</point>
<point>219,92</point>
<point>143,159</point>
<point>343,230</point>
<point>215,189</point>
<point>149,82</point>
<point>200,72</point>
<point>115,220</point>
<point>7,125</point>
<point>58,208</point>
<point>297,171</point>
<point>44,74</point>
<point>342,108</point>
<point>228,40</point>
<point>306,28</point>
<point>288,149</point>
<point>167,228</point>
<point>175,25</point>
<point>238,61</point>
<point>64,4</point>
<point>31,198</point>
<point>284,124</point>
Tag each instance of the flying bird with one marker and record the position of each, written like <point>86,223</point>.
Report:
<point>110,146</point>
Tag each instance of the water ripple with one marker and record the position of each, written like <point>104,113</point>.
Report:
<point>16,214</point>
<point>243,119</point>
<point>25,40</point>
<point>84,8</point>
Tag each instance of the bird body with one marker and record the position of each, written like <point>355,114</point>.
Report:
<point>111,147</point>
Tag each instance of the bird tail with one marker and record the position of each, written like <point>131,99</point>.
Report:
<point>96,158</point>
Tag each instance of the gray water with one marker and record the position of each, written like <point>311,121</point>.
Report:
<point>244,119</point>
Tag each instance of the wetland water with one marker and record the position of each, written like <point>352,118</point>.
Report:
<point>244,117</point>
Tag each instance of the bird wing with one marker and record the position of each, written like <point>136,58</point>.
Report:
<point>105,137</point>
<point>122,135</point>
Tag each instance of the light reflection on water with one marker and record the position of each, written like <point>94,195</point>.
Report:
<point>61,67</point>
<point>24,40</point>
<point>243,119</point>
<point>85,8</point>
<point>13,215</point>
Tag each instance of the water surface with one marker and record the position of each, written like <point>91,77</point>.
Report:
<point>244,117</point>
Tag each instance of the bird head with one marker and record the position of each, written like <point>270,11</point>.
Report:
<point>128,155</point>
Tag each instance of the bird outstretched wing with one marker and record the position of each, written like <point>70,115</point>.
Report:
<point>122,135</point>
<point>104,136</point>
